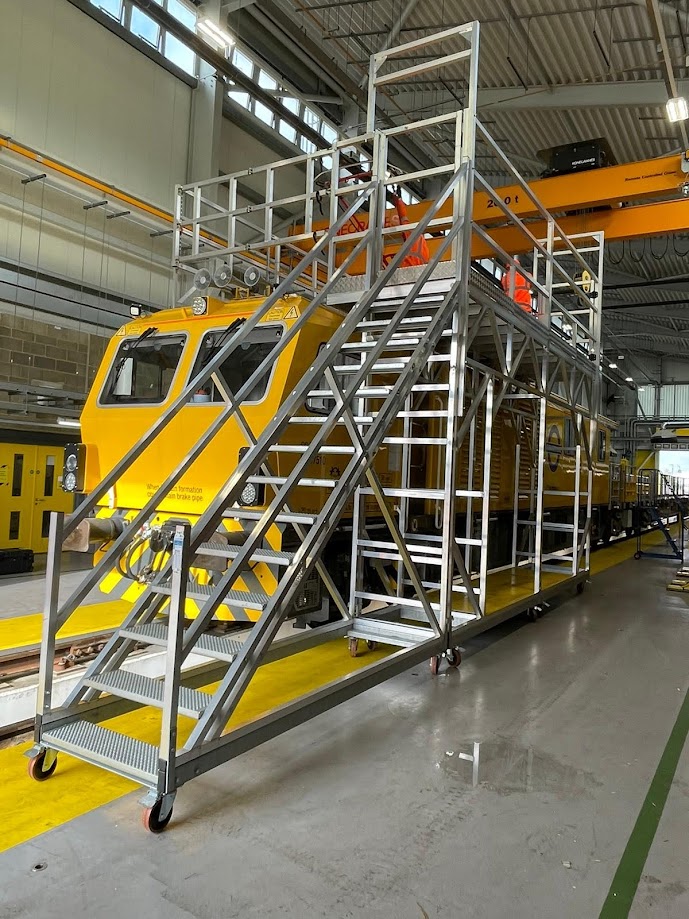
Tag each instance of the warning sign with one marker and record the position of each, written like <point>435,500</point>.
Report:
<point>291,313</point>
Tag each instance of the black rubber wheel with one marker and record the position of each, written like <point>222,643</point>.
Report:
<point>637,556</point>
<point>580,587</point>
<point>151,818</point>
<point>353,647</point>
<point>454,657</point>
<point>371,645</point>
<point>435,664</point>
<point>532,614</point>
<point>36,767</point>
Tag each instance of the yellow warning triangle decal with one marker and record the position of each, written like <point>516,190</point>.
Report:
<point>291,313</point>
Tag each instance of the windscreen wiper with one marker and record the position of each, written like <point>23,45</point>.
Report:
<point>151,330</point>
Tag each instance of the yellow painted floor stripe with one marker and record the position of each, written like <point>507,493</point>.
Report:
<point>30,808</point>
<point>25,631</point>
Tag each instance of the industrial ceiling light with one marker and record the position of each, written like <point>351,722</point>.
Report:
<point>677,109</point>
<point>212,30</point>
<point>629,379</point>
<point>613,366</point>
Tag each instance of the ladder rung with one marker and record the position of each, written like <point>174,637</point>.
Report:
<point>246,599</point>
<point>280,480</point>
<point>380,392</point>
<point>268,556</point>
<point>394,601</point>
<point>433,494</point>
<point>436,585</point>
<point>245,513</point>
<point>403,343</point>
<point>302,448</point>
<point>126,684</point>
<point>109,749</point>
<point>384,323</point>
<point>218,647</point>
<point>390,546</point>
<point>321,419</point>
<point>378,367</point>
<point>422,441</point>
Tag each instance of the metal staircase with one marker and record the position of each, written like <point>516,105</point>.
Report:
<point>436,345</point>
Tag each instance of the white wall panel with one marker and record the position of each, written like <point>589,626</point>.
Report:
<point>73,89</point>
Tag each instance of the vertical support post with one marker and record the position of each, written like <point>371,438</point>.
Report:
<point>173,658</point>
<point>454,409</point>
<point>49,631</point>
<point>405,475</point>
<point>577,490</point>
<point>515,506</point>
<point>196,232</point>
<point>232,221</point>
<point>371,102</point>
<point>376,214</point>
<point>538,523</point>
<point>485,508</point>
<point>332,214</point>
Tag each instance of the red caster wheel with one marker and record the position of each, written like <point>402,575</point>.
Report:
<point>371,645</point>
<point>37,768</point>
<point>454,657</point>
<point>152,819</point>
<point>353,647</point>
<point>435,664</point>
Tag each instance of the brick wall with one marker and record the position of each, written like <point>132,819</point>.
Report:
<point>37,353</point>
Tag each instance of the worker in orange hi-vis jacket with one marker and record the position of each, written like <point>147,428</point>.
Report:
<point>418,254</point>
<point>522,288</point>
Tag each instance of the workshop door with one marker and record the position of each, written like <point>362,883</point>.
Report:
<point>29,491</point>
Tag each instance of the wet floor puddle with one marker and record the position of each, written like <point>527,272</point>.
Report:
<point>509,768</point>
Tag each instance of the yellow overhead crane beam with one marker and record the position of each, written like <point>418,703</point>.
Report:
<point>623,189</point>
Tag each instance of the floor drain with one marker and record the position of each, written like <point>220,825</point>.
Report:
<point>40,866</point>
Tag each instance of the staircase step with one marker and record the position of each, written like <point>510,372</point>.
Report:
<point>245,513</point>
<point>123,755</point>
<point>246,599</point>
<point>370,324</point>
<point>139,688</point>
<point>280,480</point>
<point>218,647</point>
<point>333,449</point>
<point>269,556</point>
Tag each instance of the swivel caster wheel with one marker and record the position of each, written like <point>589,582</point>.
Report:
<point>637,556</point>
<point>580,587</point>
<point>454,657</point>
<point>153,819</point>
<point>37,768</point>
<point>435,664</point>
<point>353,647</point>
<point>371,645</point>
<point>532,614</point>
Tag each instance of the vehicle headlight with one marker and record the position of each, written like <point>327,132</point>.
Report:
<point>73,467</point>
<point>249,495</point>
<point>199,305</point>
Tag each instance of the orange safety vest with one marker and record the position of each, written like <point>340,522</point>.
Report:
<point>419,253</point>
<point>522,289</point>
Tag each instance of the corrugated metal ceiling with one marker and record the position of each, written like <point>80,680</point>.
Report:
<point>541,43</point>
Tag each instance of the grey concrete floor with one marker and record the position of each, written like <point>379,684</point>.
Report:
<point>24,594</point>
<point>368,811</point>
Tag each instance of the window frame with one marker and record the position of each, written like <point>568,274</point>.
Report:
<point>101,404</point>
<point>269,381</point>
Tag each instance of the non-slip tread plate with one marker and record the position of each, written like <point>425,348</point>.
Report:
<point>137,684</point>
<point>216,646</point>
<point>104,744</point>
